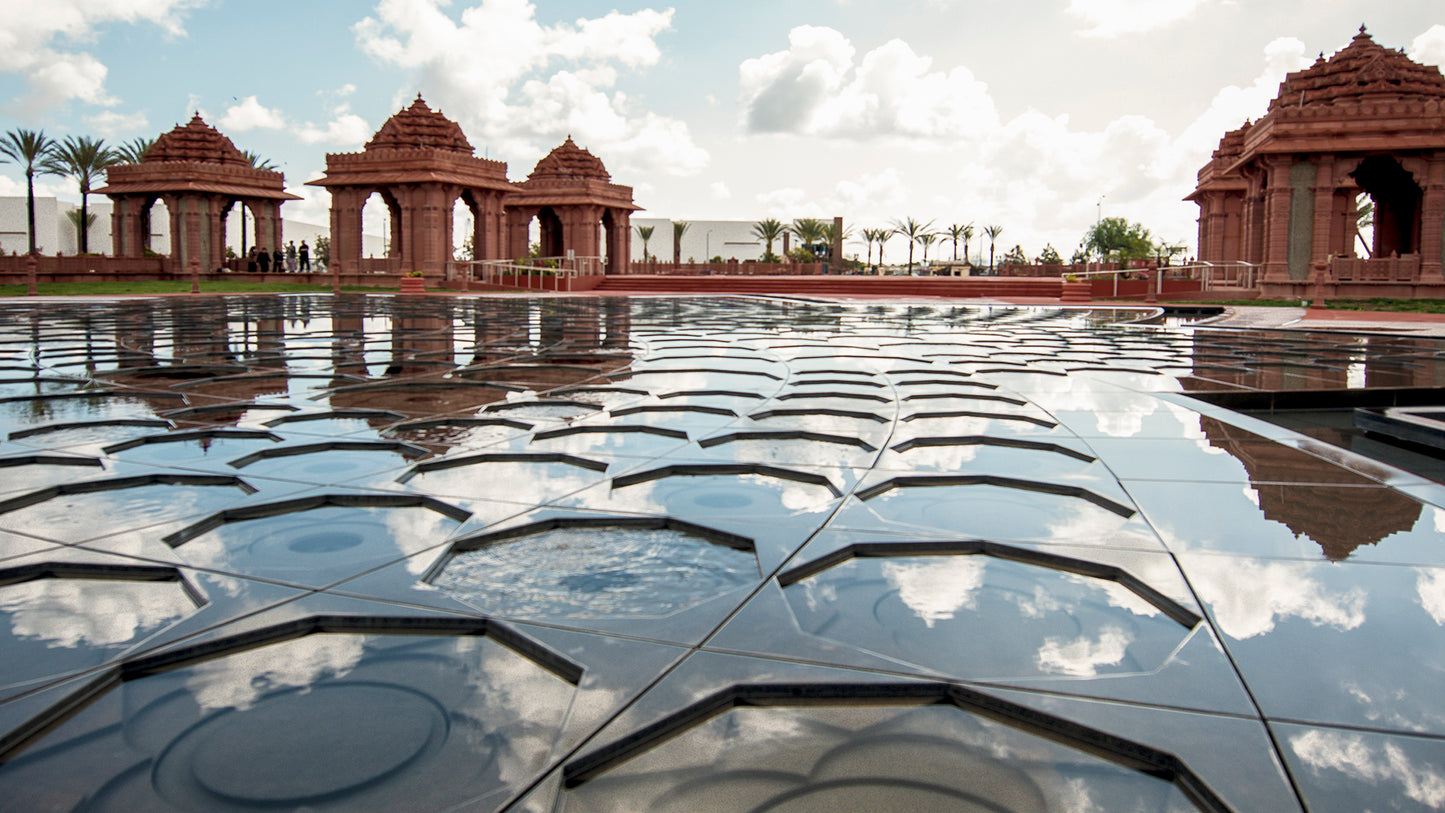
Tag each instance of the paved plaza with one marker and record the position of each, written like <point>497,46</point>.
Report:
<point>616,554</point>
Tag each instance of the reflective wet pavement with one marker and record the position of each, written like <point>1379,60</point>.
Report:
<point>374,553</point>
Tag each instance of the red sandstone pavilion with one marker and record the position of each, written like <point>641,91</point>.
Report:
<point>421,163</point>
<point>1281,193</point>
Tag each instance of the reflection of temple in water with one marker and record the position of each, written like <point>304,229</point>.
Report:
<point>1338,519</point>
<point>1224,361</point>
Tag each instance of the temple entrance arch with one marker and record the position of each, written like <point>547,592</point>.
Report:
<point>1397,200</point>
<point>550,241</point>
<point>381,215</point>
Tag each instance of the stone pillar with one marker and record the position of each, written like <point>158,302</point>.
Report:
<point>1275,258</point>
<point>517,222</point>
<point>216,225</point>
<point>346,206</point>
<point>1322,238</point>
<point>1432,222</point>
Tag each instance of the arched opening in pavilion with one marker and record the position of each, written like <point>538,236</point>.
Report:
<point>151,213</point>
<point>1397,199</point>
<point>463,226</point>
<point>381,216</point>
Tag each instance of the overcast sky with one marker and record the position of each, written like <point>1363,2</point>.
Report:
<point>1035,115</point>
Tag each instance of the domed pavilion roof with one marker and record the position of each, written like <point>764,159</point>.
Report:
<point>195,141</point>
<point>419,126</point>
<point>570,162</point>
<point>1362,70</point>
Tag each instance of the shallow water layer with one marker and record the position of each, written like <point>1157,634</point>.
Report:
<point>703,553</point>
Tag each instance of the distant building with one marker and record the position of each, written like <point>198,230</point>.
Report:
<point>703,240</point>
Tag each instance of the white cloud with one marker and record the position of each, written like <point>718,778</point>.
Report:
<point>518,87</point>
<point>346,130</point>
<point>719,190</point>
<point>38,42</point>
<point>1114,18</point>
<point>250,114</point>
<point>108,122</point>
<point>1249,596</point>
<point>1364,758</point>
<point>1429,47</point>
<point>816,88</point>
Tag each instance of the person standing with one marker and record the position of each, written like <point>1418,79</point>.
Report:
<point>304,255</point>
<point>263,259</point>
<point>278,260</point>
<point>251,260</point>
<point>291,257</point>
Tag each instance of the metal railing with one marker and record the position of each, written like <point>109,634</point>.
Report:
<point>530,273</point>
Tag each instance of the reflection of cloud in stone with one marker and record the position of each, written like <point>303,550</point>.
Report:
<point>514,695</point>
<point>1350,754</point>
<point>934,591</point>
<point>1430,586</point>
<point>1083,656</point>
<point>240,680</point>
<point>417,529</point>
<point>514,482</point>
<point>1077,519</point>
<point>1248,596</point>
<point>75,517</point>
<point>75,612</point>
<point>1115,594</point>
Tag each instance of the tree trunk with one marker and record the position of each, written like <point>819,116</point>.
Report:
<point>30,205</point>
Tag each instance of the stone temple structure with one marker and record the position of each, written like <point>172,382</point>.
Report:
<point>421,164</point>
<point>570,193</point>
<point>1285,192</point>
<point>200,176</point>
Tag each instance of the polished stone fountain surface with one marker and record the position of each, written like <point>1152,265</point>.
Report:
<point>375,553</point>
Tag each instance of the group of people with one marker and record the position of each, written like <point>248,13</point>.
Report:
<point>291,261</point>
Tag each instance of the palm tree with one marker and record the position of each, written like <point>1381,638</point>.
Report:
<point>257,162</point>
<point>679,228</point>
<point>993,232</point>
<point>768,231</point>
<point>835,237</point>
<point>30,148</point>
<point>956,233</point>
<point>868,239</point>
<point>880,236</point>
<point>927,240</point>
<point>1364,219</point>
<point>911,229</point>
<point>809,231</point>
<point>83,159</point>
<point>133,151</point>
<point>645,232</point>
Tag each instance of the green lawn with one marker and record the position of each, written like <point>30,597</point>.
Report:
<point>178,287</point>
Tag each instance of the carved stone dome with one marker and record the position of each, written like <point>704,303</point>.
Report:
<point>195,141</point>
<point>1362,70</point>
<point>419,126</point>
<point>570,162</point>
